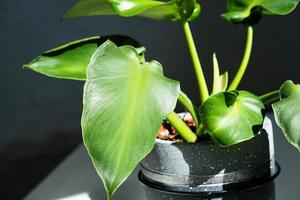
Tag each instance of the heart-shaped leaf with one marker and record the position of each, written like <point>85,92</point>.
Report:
<point>154,9</point>
<point>287,112</point>
<point>232,117</point>
<point>71,60</point>
<point>124,104</point>
<point>250,11</point>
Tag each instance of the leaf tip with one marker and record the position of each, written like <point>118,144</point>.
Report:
<point>25,66</point>
<point>68,15</point>
<point>214,55</point>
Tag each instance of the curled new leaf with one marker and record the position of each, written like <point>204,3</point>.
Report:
<point>154,9</point>
<point>71,60</point>
<point>287,112</point>
<point>232,117</point>
<point>250,11</point>
<point>124,104</point>
<point>220,82</point>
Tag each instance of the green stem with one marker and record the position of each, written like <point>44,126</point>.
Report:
<point>188,105</point>
<point>270,97</point>
<point>196,62</point>
<point>241,71</point>
<point>183,129</point>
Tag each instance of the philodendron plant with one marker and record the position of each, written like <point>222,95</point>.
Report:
<point>126,98</point>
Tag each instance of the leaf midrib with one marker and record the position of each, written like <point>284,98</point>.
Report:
<point>135,88</point>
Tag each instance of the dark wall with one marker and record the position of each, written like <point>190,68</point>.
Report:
<point>34,107</point>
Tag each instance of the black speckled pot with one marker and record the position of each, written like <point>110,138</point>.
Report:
<point>205,167</point>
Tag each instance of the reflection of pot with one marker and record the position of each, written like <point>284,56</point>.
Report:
<point>205,167</point>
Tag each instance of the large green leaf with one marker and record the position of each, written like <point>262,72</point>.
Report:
<point>89,8</point>
<point>124,103</point>
<point>71,60</point>
<point>154,9</point>
<point>287,112</point>
<point>148,8</point>
<point>232,117</point>
<point>250,11</point>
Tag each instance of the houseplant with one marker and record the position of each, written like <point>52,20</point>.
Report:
<point>126,98</point>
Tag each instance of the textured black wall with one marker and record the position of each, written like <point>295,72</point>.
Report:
<point>35,107</point>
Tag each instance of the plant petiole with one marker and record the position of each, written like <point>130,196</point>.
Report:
<point>196,62</point>
<point>183,129</point>
<point>247,54</point>
<point>270,97</point>
<point>189,106</point>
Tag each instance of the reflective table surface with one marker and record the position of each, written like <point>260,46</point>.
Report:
<point>75,179</point>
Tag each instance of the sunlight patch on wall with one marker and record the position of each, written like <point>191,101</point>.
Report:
<point>81,196</point>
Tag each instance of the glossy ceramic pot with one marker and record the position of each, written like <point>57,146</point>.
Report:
<point>207,168</point>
